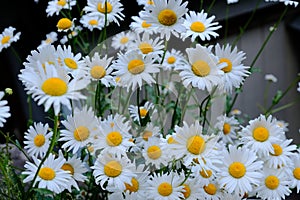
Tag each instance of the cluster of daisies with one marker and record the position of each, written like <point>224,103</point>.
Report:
<point>126,152</point>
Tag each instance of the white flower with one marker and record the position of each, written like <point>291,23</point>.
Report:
<point>123,40</point>
<point>232,1</point>
<point>286,2</point>
<point>271,78</point>
<point>92,22</point>
<point>4,109</point>
<point>139,26</point>
<point>295,171</point>
<point>65,24</point>
<point>173,59</point>
<point>227,128</point>
<point>7,37</point>
<point>50,38</point>
<point>55,6</point>
<point>145,110</point>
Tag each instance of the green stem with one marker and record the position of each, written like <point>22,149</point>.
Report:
<point>186,104</point>
<point>211,6</point>
<point>16,54</point>
<point>30,119</point>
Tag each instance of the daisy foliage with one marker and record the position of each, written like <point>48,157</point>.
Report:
<point>146,113</point>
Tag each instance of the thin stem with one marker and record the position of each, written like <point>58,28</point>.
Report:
<point>138,104</point>
<point>16,54</point>
<point>211,6</point>
<point>30,119</point>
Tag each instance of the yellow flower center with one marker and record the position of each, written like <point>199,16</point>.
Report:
<point>68,167</point>
<point>167,17</point>
<point>136,66</point>
<point>210,189</point>
<point>143,112</point>
<point>47,173</point>
<point>98,72</point>
<point>64,24</point>
<point>145,48</point>
<point>124,40</point>
<point>145,24</point>
<point>61,3</point>
<point>104,9</point>
<point>134,187</point>
<point>260,134</point>
<point>195,144</point>
<point>237,170</point>
<point>200,68</point>
<point>5,39</point>
<point>112,168</point>
<point>277,150</point>
<point>171,60</point>
<point>93,22</point>
<point>146,135</point>
<point>81,133</point>
<point>296,173</point>
<point>229,64</point>
<point>154,152</point>
<point>197,27</point>
<point>114,138</point>
<point>39,140</point>
<point>70,63</point>
<point>272,182</point>
<point>165,189</point>
<point>171,140</point>
<point>226,128</point>
<point>54,87</point>
<point>187,191</point>
<point>205,173</point>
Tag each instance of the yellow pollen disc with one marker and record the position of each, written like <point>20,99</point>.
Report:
<point>165,189</point>
<point>61,3</point>
<point>154,152</point>
<point>237,170</point>
<point>260,134</point>
<point>114,138</point>
<point>277,150</point>
<point>167,17</point>
<point>101,8</point>
<point>143,112</point>
<point>195,145</point>
<point>187,191</point>
<point>226,128</point>
<point>145,48</point>
<point>205,173</point>
<point>93,22</point>
<point>272,182</point>
<point>210,189</point>
<point>39,140</point>
<point>81,133</point>
<point>145,24</point>
<point>98,72</point>
<point>5,39</point>
<point>113,168</point>
<point>171,140</point>
<point>64,24</point>
<point>197,27</point>
<point>133,187</point>
<point>171,60</point>
<point>70,63</point>
<point>54,87</point>
<point>229,64</point>
<point>68,167</point>
<point>124,40</point>
<point>136,66</point>
<point>200,68</point>
<point>47,173</point>
<point>296,173</point>
<point>146,135</point>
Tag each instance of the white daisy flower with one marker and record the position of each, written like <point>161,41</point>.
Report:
<point>203,71</point>
<point>166,16</point>
<point>271,78</point>
<point>204,176</point>
<point>172,59</point>
<point>295,171</point>
<point>4,109</point>
<point>115,170</point>
<point>227,128</point>
<point>53,89</point>
<point>7,37</point>
<point>286,2</point>
<point>37,139</point>
<point>145,2</point>
<point>145,133</point>
<point>139,25</point>
<point>234,71</point>
<point>92,22</point>
<point>232,1</point>
<point>274,185</point>
<point>65,24</point>
<point>50,175</point>
<point>211,191</point>
<point>191,189</point>
<point>98,69</point>
<point>260,134</point>
<point>55,6</point>
<point>114,135</point>
<point>146,110</point>
<point>240,171</point>
<point>123,40</point>
<point>134,68</point>
<point>198,25</point>
<point>165,187</point>
<point>113,10</point>
<point>50,38</point>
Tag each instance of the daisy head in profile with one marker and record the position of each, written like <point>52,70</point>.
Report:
<point>7,37</point>
<point>65,24</point>
<point>37,139</point>
<point>55,6</point>
<point>198,25</point>
<point>4,109</point>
